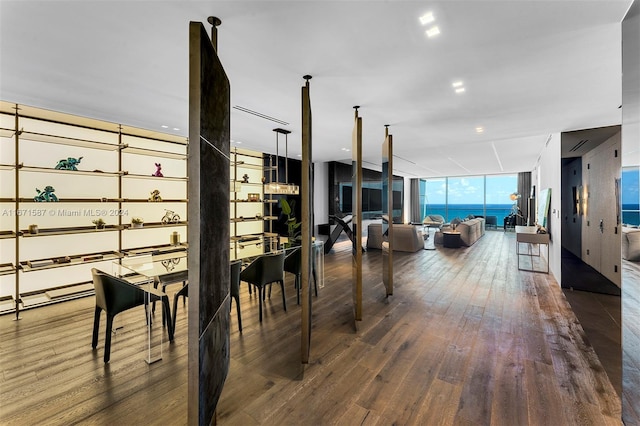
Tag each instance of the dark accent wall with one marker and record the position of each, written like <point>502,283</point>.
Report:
<point>571,218</point>
<point>208,232</point>
<point>340,192</point>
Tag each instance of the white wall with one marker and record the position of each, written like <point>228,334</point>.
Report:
<point>407,200</point>
<point>548,174</point>
<point>320,195</point>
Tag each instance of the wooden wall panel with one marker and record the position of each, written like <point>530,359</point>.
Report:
<point>208,189</point>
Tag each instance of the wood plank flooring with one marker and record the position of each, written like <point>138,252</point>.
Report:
<point>465,339</point>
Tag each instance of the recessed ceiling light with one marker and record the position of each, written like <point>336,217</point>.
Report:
<point>432,32</point>
<point>457,84</point>
<point>175,128</point>
<point>299,155</point>
<point>427,18</point>
<point>479,129</point>
<point>164,127</point>
<point>460,90</point>
<point>346,149</point>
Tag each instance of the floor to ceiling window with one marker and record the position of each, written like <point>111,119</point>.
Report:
<point>460,197</point>
<point>630,195</point>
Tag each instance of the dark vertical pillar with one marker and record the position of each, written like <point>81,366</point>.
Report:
<point>307,221</point>
<point>387,209</point>
<point>208,232</point>
<point>356,194</point>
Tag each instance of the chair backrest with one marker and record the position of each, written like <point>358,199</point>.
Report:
<point>265,269</point>
<point>114,294</point>
<point>293,260</point>
<point>236,267</point>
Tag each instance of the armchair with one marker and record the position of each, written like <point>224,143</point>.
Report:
<point>433,221</point>
<point>115,295</point>
<point>266,269</point>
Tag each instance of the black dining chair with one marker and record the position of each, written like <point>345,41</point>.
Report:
<point>115,295</point>
<point>234,290</point>
<point>266,269</point>
<point>293,265</point>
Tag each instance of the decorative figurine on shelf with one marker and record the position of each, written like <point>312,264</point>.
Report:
<point>158,172</point>
<point>137,222</point>
<point>99,223</point>
<point>68,164</point>
<point>245,178</point>
<point>45,196</point>
<point>155,195</point>
<point>170,217</point>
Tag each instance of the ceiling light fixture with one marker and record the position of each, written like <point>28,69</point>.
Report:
<point>457,84</point>
<point>164,126</point>
<point>432,32</point>
<point>479,129</point>
<point>176,129</point>
<point>460,90</point>
<point>427,18</point>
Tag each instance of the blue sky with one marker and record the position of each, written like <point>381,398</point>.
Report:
<point>470,190</point>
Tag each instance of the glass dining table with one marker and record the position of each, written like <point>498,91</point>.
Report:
<point>147,271</point>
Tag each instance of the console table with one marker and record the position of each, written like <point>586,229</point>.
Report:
<point>529,235</point>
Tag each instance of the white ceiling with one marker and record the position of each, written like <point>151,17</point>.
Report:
<point>530,68</point>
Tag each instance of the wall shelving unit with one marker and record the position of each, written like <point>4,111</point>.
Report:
<point>251,209</point>
<point>114,181</point>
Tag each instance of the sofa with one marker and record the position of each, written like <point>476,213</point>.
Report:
<point>631,244</point>
<point>406,238</point>
<point>470,230</point>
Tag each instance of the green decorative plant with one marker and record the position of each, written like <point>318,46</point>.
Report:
<point>136,222</point>
<point>99,223</point>
<point>293,226</point>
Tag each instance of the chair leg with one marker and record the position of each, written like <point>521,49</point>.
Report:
<point>96,327</point>
<point>315,282</point>
<point>237,299</point>
<point>284,296</point>
<point>175,309</point>
<point>107,339</point>
<point>166,313</point>
<point>297,287</point>
<point>260,299</point>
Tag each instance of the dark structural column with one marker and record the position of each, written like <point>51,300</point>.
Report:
<point>307,221</point>
<point>387,209</point>
<point>208,232</point>
<point>356,208</point>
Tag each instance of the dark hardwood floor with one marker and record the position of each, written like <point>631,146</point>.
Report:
<point>465,339</point>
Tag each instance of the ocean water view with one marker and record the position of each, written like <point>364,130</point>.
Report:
<point>451,211</point>
<point>630,212</point>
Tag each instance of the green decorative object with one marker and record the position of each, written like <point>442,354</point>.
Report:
<point>68,164</point>
<point>45,196</point>
<point>137,222</point>
<point>99,223</point>
<point>293,226</point>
